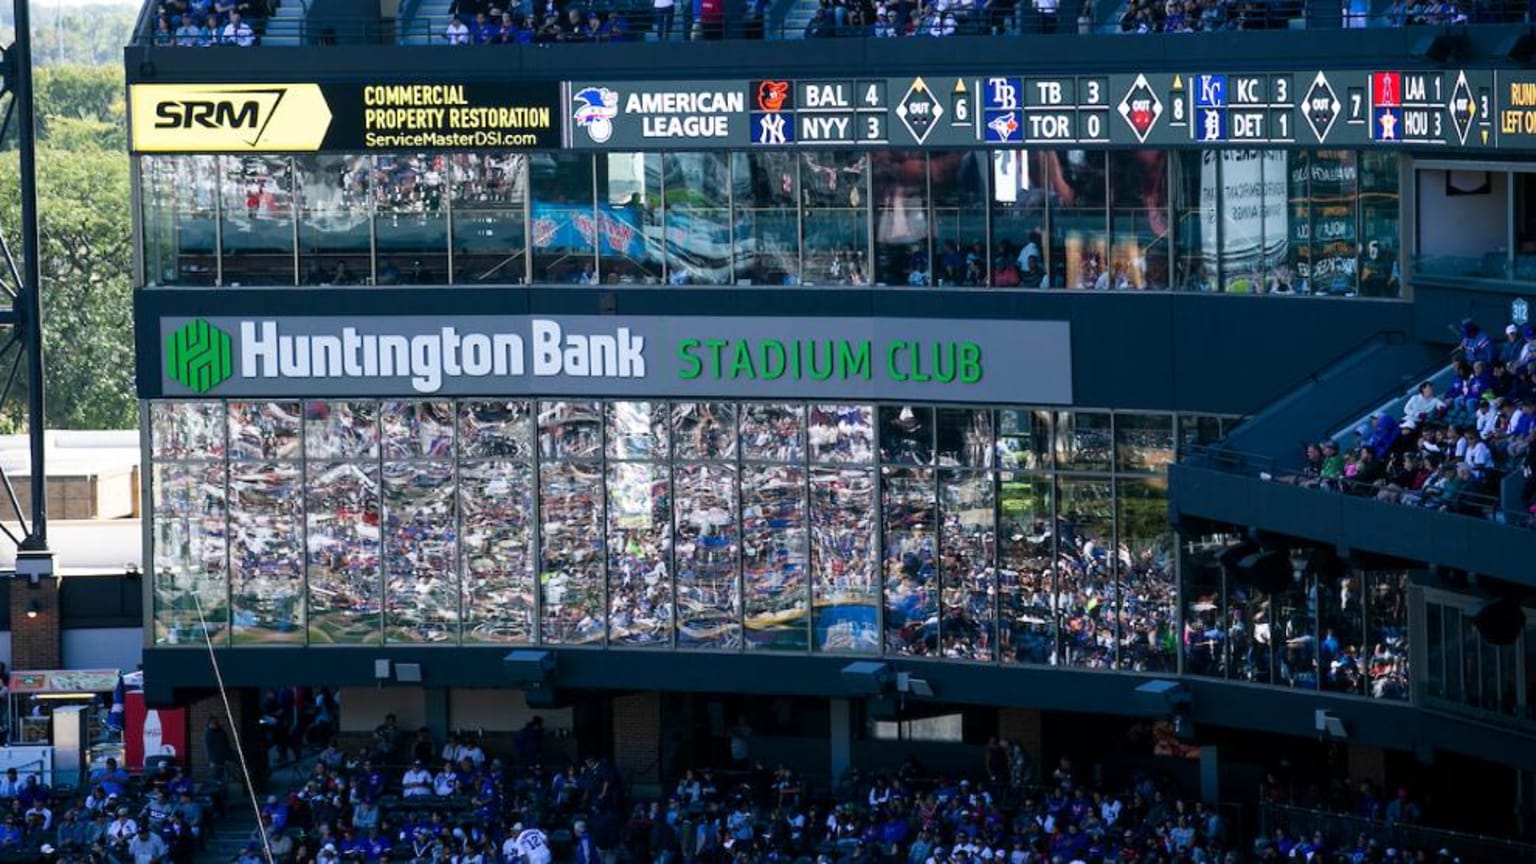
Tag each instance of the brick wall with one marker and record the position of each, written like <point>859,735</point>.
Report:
<point>637,739</point>
<point>35,642</point>
<point>197,722</point>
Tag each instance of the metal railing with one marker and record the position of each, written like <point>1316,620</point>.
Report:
<point>638,23</point>
<point>1476,505</point>
<point>1342,832</point>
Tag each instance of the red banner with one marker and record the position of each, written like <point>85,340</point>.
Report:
<point>152,732</point>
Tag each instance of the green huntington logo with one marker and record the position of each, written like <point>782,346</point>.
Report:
<point>198,355</point>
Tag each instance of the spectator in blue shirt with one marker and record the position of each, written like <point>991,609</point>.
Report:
<point>1475,344</point>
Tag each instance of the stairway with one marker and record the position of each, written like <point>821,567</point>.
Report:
<point>285,28</point>
<point>427,24</point>
<point>229,834</point>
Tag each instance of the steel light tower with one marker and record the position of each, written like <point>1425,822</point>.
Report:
<point>21,307</point>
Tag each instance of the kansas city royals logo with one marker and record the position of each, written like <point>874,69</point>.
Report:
<point>595,109</point>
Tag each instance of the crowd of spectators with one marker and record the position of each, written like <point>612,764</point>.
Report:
<point>405,796</point>
<point>210,23</point>
<point>1449,451</point>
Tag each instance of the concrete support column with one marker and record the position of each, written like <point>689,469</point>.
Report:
<point>35,641</point>
<point>840,740</point>
<point>436,716</point>
<point>1210,775</point>
<point>637,741</point>
<point>1368,763</point>
<point>1025,727</point>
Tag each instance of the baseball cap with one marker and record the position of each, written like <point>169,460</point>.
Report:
<point>1511,329</point>
<point>47,849</point>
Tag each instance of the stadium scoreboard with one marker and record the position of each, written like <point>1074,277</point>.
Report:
<point>1474,108</point>
<point>1454,109</point>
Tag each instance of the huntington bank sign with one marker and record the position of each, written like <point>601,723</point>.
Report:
<point>1027,362</point>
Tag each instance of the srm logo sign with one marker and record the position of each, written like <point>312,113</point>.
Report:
<point>228,118</point>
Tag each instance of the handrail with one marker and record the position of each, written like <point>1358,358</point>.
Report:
<point>1216,457</point>
<point>408,27</point>
<point>1341,830</point>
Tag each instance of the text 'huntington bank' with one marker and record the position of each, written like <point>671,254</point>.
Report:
<point>426,359</point>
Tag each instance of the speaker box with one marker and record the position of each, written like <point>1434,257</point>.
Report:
<point>1499,621</point>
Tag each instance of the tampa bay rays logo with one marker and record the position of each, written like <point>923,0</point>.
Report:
<point>198,355</point>
<point>595,109</point>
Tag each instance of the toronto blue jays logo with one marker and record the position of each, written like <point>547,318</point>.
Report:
<point>595,109</point>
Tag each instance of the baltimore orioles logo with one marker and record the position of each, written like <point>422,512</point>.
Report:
<point>771,95</point>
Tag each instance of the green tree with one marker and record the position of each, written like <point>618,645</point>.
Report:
<point>87,251</point>
<point>86,266</point>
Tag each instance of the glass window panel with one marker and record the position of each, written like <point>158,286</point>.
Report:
<point>1250,633</point>
<point>571,572</point>
<point>766,193</point>
<point>902,220</point>
<point>701,238</point>
<point>417,430</point>
<point>1528,643</point>
<point>964,437</point>
<point>266,552</point>
<point>776,594</point>
<point>1143,442</point>
<point>410,219</point>
<point>841,433</point>
<point>834,186</point>
<point>345,588</point>
<point>906,434</point>
<point>335,219</point>
<point>1335,244</point>
<point>501,430</point>
<point>489,197</point>
<point>1387,617</point>
<point>570,430</point>
<point>845,598</point>
<point>1196,256</point>
<point>180,219</point>
<point>191,581</point>
<point>563,228</point>
<point>1434,638</point>
<point>958,189</point>
<point>1086,585</point>
<point>1198,430</point>
<point>1249,245</point>
<point>1149,591</point>
<point>1380,215</point>
<point>708,585</point>
<point>341,430</point>
<point>1019,192</point>
<point>264,430</point>
<point>910,561</point>
<point>1079,247</point>
<point>1205,627</point>
<point>496,550</point>
<point>258,233</point>
<point>637,430</point>
<point>1138,249</point>
<point>1451,620</point>
<point>420,525</point>
<point>1341,606</point>
<point>1083,441</point>
<point>629,215</point>
<point>704,430</point>
<point>969,620</point>
<point>1299,218</point>
<point>639,555</point>
<point>1296,643</point>
<point>1472,676</point>
<point>1024,440</point>
<point>186,430</point>
<point>773,432</point>
<point>1026,578</point>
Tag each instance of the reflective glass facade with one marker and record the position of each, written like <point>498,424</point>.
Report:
<point>1323,222</point>
<point>1333,628</point>
<point>1014,535</point>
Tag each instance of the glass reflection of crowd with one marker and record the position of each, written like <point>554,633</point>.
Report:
<point>1326,625</point>
<point>710,525</point>
<point>1318,222</point>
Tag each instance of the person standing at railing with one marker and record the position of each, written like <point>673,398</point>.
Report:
<point>1047,11</point>
<point>663,11</point>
